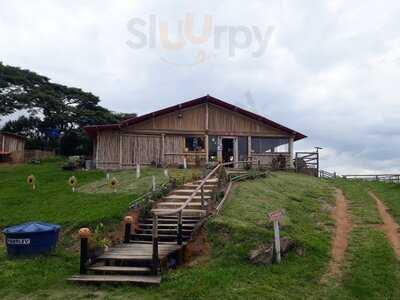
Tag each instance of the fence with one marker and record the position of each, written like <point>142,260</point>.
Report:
<point>327,175</point>
<point>393,178</point>
<point>307,163</point>
<point>37,154</point>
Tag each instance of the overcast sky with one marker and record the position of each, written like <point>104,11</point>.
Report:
<point>330,69</point>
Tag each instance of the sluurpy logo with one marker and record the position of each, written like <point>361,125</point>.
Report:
<point>154,33</point>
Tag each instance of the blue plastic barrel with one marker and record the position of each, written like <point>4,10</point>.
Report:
<point>31,238</point>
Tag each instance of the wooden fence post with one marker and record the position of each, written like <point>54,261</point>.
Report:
<point>179,232</point>
<point>84,234</point>
<point>155,260</point>
<point>128,228</point>
<point>137,170</point>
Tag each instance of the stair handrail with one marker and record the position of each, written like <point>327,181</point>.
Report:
<point>191,197</point>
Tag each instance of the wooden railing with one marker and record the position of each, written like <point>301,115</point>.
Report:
<point>327,175</point>
<point>220,169</point>
<point>177,212</point>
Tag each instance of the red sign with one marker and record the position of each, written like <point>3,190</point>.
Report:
<point>275,215</point>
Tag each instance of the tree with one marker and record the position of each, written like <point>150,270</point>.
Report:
<point>52,108</point>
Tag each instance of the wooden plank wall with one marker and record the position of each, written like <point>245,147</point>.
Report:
<point>11,144</point>
<point>225,122</point>
<point>126,150</point>
<point>121,151</point>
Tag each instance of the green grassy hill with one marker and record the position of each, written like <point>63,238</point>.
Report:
<point>224,272</point>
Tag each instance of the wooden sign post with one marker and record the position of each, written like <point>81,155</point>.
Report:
<point>275,217</point>
<point>153,183</point>
<point>137,170</point>
<point>184,163</point>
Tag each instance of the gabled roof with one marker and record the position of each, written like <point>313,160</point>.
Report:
<point>93,129</point>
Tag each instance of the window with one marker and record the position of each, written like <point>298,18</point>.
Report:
<point>194,143</point>
<point>260,145</point>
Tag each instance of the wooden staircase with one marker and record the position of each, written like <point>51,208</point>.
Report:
<point>140,259</point>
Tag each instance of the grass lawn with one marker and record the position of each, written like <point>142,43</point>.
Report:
<point>371,270</point>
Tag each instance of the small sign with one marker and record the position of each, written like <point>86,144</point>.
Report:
<point>275,215</point>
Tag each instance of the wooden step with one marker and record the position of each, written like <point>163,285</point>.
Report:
<point>117,269</point>
<point>184,197</point>
<point>178,204</point>
<point>166,231</point>
<point>190,191</point>
<point>161,237</point>
<point>165,226</point>
<point>153,280</point>
<point>185,212</point>
<point>211,180</point>
<point>162,221</point>
<point>195,185</point>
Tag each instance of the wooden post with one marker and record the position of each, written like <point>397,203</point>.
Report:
<point>249,154</point>
<point>162,148</point>
<point>128,228</point>
<point>184,163</point>
<point>84,234</point>
<point>153,183</point>
<point>291,165</point>
<point>206,147</point>
<point>277,241</point>
<point>97,150</point>
<point>202,196</point>
<point>179,237</point>
<point>120,151</point>
<point>155,260</point>
<point>3,147</point>
<point>137,170</point>
<point>206,119</point>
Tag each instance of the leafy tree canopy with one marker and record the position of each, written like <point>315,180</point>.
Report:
<point>51,107</point>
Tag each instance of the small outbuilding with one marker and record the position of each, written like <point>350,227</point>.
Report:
<point>12,147</point>
<point>199,131</point>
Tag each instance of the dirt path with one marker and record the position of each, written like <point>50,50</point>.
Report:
<point>389,226</point>
<point>341,235</point>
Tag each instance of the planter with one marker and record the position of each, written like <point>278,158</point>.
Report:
<point>95,252</point>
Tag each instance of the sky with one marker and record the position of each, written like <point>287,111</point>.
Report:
<point>329,69</point>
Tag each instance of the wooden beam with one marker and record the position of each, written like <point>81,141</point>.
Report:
<point>120,151</point>
<point>291,165</point>
<point>207,119</point>
<point>162,148</point>
<point>3,148</point>
<point>249,154</point>
<point>206,145</point>
<point>97,149</point>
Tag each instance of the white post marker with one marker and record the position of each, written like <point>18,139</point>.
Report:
<point>184,163</point>
<point>153,179</point>
<point>275,217</point>
<point>137,170</point>
<point>166,173</point>
<point>108,177</point>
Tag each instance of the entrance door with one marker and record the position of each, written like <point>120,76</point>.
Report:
<point>228,150</point>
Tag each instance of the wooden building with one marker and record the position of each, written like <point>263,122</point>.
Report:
<point>12,147</point>
<point>201,130</point>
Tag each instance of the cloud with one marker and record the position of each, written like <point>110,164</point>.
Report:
<point>331,68</point>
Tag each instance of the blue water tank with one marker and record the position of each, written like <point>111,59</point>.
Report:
<point>31,238</point>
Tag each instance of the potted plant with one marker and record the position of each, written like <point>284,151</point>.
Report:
<point>98,243</point>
